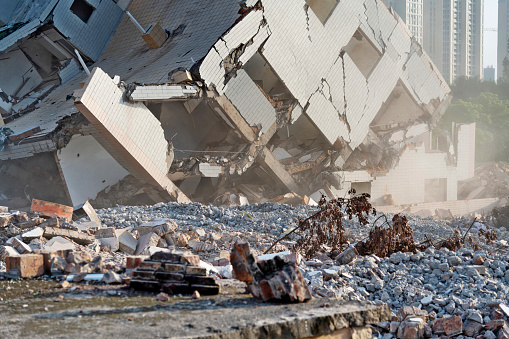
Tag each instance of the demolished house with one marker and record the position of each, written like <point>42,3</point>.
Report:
<point>221,102</point>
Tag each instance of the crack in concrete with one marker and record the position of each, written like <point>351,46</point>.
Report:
<point>344,117</point>
<point>306,10</point>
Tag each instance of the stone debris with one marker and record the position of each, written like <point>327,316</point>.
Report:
<point>271,279</point>
<point>491,180</point>
<point>433,285</point>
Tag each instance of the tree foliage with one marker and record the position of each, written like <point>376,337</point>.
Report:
<point>486,104</point>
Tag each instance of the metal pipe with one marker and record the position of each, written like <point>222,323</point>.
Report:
<point>135,22</point>
<point>82,62</point>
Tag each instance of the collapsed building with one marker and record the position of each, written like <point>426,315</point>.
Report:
<point>221,102</point>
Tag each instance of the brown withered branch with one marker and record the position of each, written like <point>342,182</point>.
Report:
<point>325,228</point>
<point>383,241</point>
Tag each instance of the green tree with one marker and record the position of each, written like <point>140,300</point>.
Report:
<point>491,115</point>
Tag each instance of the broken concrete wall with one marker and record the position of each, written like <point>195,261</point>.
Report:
<point>90,26</point>
<point>407,182</point>
<point>88,168</point>
<point>465,150</point>
<point>134,137</point>
<point>34,177</point>
<point>312,60</point>
<point>19,76</point>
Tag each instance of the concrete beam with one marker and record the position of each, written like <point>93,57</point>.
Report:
<point>266,158</point>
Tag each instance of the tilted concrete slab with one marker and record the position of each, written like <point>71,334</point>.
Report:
<point>132,134</point>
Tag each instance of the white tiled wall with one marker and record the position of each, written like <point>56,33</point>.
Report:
<point>250,101</point>
<point>305,54</point>
<point>132,130</point>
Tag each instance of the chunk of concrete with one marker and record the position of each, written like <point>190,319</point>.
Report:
<point>109,244</point>
<point>7,251</point>
<point>86,209</point>
<point>20,246</point>
<point>161,227</point>
<point>78,237</point>
<point>36,233</point>
<point>107,232</point>
<point>126,242</point>
<point>145,241</point>
<point>25,266</point>
<point>59,244</point>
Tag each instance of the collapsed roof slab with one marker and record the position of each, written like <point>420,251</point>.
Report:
<point>134,137</point>
<point>164,93</point>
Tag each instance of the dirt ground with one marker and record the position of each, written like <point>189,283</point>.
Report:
<point>42,309</point>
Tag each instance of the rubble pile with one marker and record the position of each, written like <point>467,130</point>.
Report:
<point>146,245</point>
<point>432,292</point>
<point>491,180</point>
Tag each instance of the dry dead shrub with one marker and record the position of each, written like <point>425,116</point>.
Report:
<point>453,243</point>
<point>385,239</point>
<point>325,228</point>
<point>324,231</point>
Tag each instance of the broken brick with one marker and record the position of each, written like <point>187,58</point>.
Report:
<point>51,209</point>
<point>453,325</point>
<point>269,279</point>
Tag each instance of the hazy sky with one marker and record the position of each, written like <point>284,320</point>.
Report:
<point>490,38</point>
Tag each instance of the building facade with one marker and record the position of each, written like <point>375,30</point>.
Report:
<point>453,36</point>
<point>503,35</point>
<point>489,73</point>
<point>411,11</point>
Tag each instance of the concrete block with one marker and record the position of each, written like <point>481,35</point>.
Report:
<point>7,251</point>
<point>107,232</point>
<point>5,219</point>
<point>78,237</point>
<point>145,241</point>
<point>36,233</point>
<point>86,209</point>
<point>109,244</point>
<point>161,227</point>
<point>20,246</point>
<point>127,243</point>
<point>25,266</point>
<point>59,244</point>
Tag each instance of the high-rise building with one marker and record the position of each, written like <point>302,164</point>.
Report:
<point>411,13</point>
<point>453,36</point>
<point>503,35</point>
<point>489,73</point>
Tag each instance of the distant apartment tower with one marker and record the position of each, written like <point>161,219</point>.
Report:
<point>411,13</point>
<point>503,35</point>
<point>453,36</point>
<point>489,73</point>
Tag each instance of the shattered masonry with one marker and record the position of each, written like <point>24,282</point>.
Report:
<point>260,99</point>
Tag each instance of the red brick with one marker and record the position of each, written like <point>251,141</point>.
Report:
<point>51,209</point>
<point>134,261</point>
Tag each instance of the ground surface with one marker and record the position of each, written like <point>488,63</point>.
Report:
<point>36,309</point>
